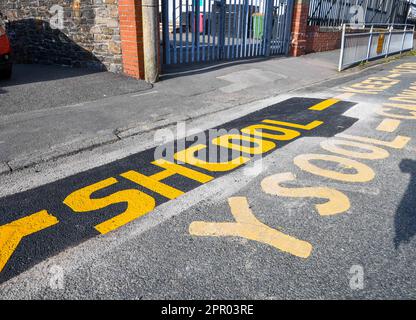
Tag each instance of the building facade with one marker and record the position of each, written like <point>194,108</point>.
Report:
<point>108,34</point>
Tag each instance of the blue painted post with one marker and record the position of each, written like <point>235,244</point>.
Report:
<point>197,28</point>
<point>187,30</point>
<point>166,40</point>
<point>204,31</point>
<point>233,51</point>
<point>180,33</point>
<point>268,27</point>
<point>245,24</point>
<point>221,38</point>
<point>175,53</point>
<point>288,25</point>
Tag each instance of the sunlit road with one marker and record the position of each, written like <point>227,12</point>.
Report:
<point>311,195</point>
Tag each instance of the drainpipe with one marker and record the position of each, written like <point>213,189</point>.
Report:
<point>150,12</point>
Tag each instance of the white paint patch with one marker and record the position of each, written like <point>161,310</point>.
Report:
<point>362,110</point>
<point>241,80</point>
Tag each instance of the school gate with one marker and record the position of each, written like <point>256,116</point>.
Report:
<point>195,31</point>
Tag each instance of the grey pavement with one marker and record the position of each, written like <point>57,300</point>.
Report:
<point>42,87</point>
<point>48,112</point>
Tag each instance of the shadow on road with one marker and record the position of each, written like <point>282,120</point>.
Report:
<point>191,69</point>
<point>405,219</point>
<point>33,73</point>
<point>34,42</point>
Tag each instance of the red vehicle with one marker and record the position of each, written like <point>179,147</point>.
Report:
<point>5,52</point>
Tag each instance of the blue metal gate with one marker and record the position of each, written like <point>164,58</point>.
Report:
<point>196,31</point>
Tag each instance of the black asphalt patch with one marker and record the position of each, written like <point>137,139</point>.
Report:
<point>74,228</point>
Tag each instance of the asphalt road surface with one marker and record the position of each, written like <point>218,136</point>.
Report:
<point>311,195</point>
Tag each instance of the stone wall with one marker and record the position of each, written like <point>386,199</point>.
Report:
<point>77,33</point>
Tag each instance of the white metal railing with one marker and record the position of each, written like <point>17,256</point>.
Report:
<point>377,42</point>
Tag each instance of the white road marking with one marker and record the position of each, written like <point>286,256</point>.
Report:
<point>345,96</point>
<point>241,80</point>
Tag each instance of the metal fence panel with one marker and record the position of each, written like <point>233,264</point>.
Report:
<point>408,42</point>
<point>210,30</point>
<point>334,13</point>
<point>368,45</point>
<point>396,41</point>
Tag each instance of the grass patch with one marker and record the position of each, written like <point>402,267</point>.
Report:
<point>364,64</point>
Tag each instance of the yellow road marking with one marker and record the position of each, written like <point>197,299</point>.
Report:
<point>404,98</point>
<point>345,96</point>
<point>398,143</point>
<point>247,226</point>
<point>337,202</point>
<point>153,184</point>
<point>324,104</point>
<point>12,233</point>
<point>309,126</point>
<point>257,130</point>
<point>262,146</point>
<point>389,125</point>
<point>411,107</point>
<point>385,112</point>
<point>188,156</point>
<point>375,153</point>
<point>138,204</point>
<point>363,172</point>
<point>172,169</point>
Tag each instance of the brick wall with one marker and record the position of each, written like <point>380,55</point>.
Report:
<point>320,39</point>
<point>299,23</point>
<point>131,31</point>
<point>77,33</point>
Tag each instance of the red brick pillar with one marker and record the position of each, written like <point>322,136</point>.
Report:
<point>130,14</point>
<point>299,27</point>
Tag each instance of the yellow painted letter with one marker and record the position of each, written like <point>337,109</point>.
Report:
<point>363,172</point>
<point>263,146</point>
<point>12,233</point>
<point>374,154</point>
<point>188,156</point>
<point>138,204</point>
<point>337,201</point>
<point>249,227</point>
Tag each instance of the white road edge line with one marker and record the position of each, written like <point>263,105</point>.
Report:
<point>144,94</point>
